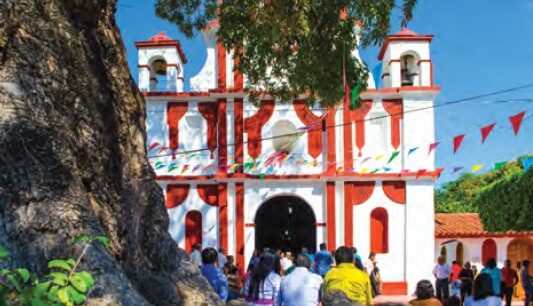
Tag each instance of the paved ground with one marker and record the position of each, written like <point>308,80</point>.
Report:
<point>404,299</point>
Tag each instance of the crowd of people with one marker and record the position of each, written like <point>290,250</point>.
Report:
<point>472,288</point>
<point>276,277</point>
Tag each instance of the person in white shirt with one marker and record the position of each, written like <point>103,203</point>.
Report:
<point>222,260</point>
<point>286,261</point>
<point>196,255</point>
<point>301,287</point>
<point>442,272</point>
<point>483,293</point>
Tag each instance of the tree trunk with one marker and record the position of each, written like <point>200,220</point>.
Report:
<point>73,158</point>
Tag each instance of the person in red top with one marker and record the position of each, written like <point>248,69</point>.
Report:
<point>509,280</point>
<point>456,283</point>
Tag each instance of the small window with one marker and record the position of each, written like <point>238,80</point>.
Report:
<point>379,231</point>
<point>409,70</point>
<point>284,135</point>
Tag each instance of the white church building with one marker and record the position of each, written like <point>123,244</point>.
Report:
<point>284,175</point>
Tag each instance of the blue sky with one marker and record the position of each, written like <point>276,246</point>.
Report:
<point>480,46</point>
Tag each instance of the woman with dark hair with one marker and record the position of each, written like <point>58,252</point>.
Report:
<point>483,292</point>
<point>262,285</point>
<point>495,274</point>
<point>425,295</point>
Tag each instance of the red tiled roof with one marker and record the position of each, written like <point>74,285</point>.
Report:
<point>161,40</point>
<point>406,32</point>
<point>161,36</point>
<point>467,225</point>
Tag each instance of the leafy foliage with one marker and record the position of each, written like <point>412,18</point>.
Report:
<point>500,196</point>
<point>293,47</point>
<point>64,285</point>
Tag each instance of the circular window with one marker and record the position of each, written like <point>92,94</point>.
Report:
<point>285,135</point>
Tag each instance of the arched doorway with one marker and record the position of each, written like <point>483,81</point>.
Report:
<point>488,250</point>
<point>459,253</point>
<point>285,222</point>
<point>518,250</point>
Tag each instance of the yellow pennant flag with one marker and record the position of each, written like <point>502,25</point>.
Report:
<point>379,156</point>
<point>477,167</point>
<point>364,170</point>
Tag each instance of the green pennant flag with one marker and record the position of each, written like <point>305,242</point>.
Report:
<point>498,166</point>
<point>354,96</point>
<point>248,165</point>
<point>261,176</point>
<point>172,167</point>
<point>375,170</point>
<point>393,156</point>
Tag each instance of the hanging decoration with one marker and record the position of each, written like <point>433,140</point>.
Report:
<point>457,169</point>
<point>498,166</point>
<point>485,131</point>
<point>153,146</point>
<point>457,141</point>
<point>516,121</point>
<point>527,162</point>
<point>433,146</point>
<point>412,150</point>
<point>476,167</point>
<point>393,156</point>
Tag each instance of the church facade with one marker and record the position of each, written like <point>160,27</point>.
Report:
<point>240,176</point>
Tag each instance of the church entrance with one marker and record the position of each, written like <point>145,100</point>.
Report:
<point>285,222</point>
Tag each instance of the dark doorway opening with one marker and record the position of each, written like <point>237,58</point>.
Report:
<point>285,222</point>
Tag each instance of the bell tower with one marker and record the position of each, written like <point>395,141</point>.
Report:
<point>161,61</point>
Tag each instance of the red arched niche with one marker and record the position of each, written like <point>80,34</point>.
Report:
<point>488,250</point>
<point>379,231</point>
<point>193,229</point>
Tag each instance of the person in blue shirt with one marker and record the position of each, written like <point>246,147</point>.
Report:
<point>357,259</point>
<point>214,275</point>
<point>323,260</point>
<point>311,257</point>
<point>495,274</point>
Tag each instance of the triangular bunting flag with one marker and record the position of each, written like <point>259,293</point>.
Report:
<point>433,146</point>
<point>379,156</point>
<point>393,156</point>
<point>184,169</point>
<point>374,171</point>
<point>153,146</point>
<point>412,150</point>
<point>386,169</point>
<point>498,166</point>
<point>196,168</point>
<point>420,172</point>
<point>172,167</point>
<point>457,141</point>
<point>162,149</point>
<point>476,168</point>
<point>527,162</point>
<point>366,159</point>
<point>485,131</point>
<point>261,176</point>
<point>405,171</point>
<point>457,169</point>
<point>364,170</point>
<point>516,121</point>
<point>234,166</point>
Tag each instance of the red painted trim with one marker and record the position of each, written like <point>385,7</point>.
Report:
<point>394,190</point>
<point>176,194</point>
<point>249,225</point>
<point>223,215</point>
<point>238,79</point>
<point>331,140</point>
<point>379,230</point>
<point>222,136</point>
<point>208,194</point>
<point>175,94</point>
<point>221,65</point>
<point>314,136</point>
<point>395,110</point>
<point>165,43</point>
<point>238,132</point>
<point>320,224</point>
<point>394,288</point>
<point>347,129</point>
<point>390,38</point>
<point>193,229</point>
<point>239,224</point>
<point>175,111</point>
<point>143,66</point>
<point>395,61</point>
<point>254,124</point>
<point>208,111</point>
<point>386,74</point>
<point>348,215</point>
<point>358,116</point>
<point>330,215</point>
<point>362,191</point>
<point>402,89</point>
<point>485,235</point>
<point>430,69</point>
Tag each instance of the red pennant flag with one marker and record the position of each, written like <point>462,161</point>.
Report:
<point>439,171</point>
<point>433,146</point>
<point>153,146</point>
<point>163,149</point>
<point>457,141</point>
<point>516,121</point>
<point>420,173</point>
<point>485,131</point>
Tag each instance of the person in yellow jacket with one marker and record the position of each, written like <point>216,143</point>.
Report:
<point>354,283</point>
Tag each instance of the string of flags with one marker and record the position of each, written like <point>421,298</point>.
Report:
<point>268,165</point>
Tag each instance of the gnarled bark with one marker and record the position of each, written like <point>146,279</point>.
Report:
<point>73,157</point>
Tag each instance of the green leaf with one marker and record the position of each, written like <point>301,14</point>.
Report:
<point>59,278</point>
<point>71,262</point>
<point>24,274</point>
<point>58,263</point>
<point>104,240</point>
<point>63,295</point>
<point>40,289</point>
<point>52,293</point>
<point>14,282</point>
<point>87,277</point>
<point>83,238</point>
<point>75,296</point>
<point>78,282</point>
<point>4,253</point>
<point>38,302</point>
